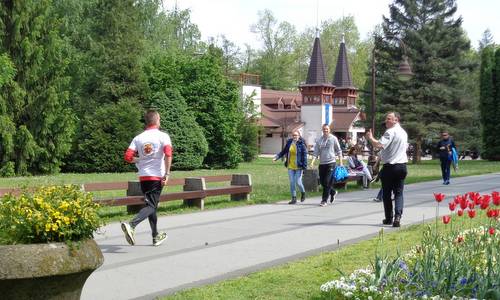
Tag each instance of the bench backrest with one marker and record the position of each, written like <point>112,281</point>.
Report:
<point>111,186</point>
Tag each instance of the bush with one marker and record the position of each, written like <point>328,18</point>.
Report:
<point>189,143</point>
<point>104,137</point>
<point>48,214</point>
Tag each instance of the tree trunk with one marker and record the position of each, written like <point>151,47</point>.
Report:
<point>417,150</point>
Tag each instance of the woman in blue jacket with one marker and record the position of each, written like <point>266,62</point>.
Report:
<point>295,153</point>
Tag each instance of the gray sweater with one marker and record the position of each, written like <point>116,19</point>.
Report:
<point>326,148</point>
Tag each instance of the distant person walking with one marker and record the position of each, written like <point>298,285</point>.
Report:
<point>151,151</point>
<point>327,148</point>
<point>394,143</point>
<point>295,153</point>
<point>445,146</point>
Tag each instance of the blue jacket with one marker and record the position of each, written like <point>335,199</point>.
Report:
<point>447,145</point>
<point>301,153</point>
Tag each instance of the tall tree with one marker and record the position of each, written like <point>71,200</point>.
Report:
<point>113,79</point>
<point>274,60</point>
<point>437,46</point>
<point>487,89</point>
<point>34,104</point>
<point>486,40</point>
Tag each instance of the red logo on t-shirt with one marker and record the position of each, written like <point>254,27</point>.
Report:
<point>148,148</point>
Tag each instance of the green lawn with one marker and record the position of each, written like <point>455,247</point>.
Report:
<point>270,183</point>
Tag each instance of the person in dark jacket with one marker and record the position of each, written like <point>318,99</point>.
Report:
<point>444,147</point>
<point>295,153</point>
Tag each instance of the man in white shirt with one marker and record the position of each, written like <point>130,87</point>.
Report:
<point>394,143</point>
<point>151,152</point>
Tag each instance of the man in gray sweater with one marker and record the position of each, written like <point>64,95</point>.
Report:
<point>327,148</point>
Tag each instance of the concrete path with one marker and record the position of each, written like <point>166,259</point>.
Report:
<point>210,246</point>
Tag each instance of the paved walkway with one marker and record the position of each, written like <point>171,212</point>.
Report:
<point>209,246</point>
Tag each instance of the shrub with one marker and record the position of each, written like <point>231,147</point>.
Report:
<point>104,137</point>
<point>48,214</point>
<point>188,141</point>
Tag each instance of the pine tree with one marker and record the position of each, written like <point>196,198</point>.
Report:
<point>113,78</point>
<point>436,46</point>
<point>488,107</point>
<point>34,105</point>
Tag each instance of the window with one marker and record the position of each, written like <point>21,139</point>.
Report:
<point>269,135</point>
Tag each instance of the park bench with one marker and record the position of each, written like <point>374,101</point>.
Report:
<point>194,191</point>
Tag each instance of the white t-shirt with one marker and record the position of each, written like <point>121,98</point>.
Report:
<point>394,143</point>
<point>151,146</point>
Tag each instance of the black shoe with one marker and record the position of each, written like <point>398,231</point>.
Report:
<point>397,222</point>
<point>377,200</point>
<point>332,196</point>
<point>387,221</point>
<point>303,197</point>
<point>294,200</point>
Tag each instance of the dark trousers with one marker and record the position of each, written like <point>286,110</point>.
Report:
<point>393,180</point>
<point>152,192</point>
<point>445,169</point>
<point>325,174</point>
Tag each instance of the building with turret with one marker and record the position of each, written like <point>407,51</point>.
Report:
<point>317,102</point>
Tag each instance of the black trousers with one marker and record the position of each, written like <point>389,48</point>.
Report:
<point>325,172</point>
<point>445,169</point>
<point>393,180</point>
<point>152,192</point>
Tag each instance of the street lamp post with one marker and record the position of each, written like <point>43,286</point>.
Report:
<point>404,74</point>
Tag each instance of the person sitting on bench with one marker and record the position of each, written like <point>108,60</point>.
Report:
<point>358,167</point>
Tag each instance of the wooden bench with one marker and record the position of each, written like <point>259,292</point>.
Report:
<point>357,178</point>
<point>194,191</point>
<point>193,194</point>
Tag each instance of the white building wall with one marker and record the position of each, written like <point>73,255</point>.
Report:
<point>314,116</point>
<point>247,90</point>
<point>270,145</point>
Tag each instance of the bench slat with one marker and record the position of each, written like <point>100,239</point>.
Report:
<point>229,190</point>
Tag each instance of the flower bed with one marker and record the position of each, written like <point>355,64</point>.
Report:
<point>459,261</point>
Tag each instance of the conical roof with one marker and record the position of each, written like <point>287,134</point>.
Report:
<point>342,77</point>
<point>316,73</point>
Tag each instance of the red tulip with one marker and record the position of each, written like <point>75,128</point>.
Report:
<point>478,200</point>
<point>491,230</point>
<point>457,199</point>
<point>495,193</point>
<point>491,213</point>
<point>446,219</point>
<point>496,200</point>
<point>472,213</point>
<point>486,197</point>
<point>471,205</point>
<point>464,203</point>
<point>439,197</point>
<point>460,212</point>
<point>484,205</point>
<point>452,206</point>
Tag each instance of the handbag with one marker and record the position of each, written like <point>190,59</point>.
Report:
<point>339,174</point>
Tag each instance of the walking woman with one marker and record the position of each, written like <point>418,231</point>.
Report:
<point>295,153</point>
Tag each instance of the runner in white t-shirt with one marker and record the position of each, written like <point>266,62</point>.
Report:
<point>151,151</point>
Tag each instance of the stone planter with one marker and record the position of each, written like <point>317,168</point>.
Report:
<point>310,179</point>
<point>47,271</point>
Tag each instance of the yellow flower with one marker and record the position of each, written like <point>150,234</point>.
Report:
<point>47,227</point>
<point>55,227</point>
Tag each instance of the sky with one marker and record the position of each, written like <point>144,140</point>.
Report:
<point>233,18</point>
